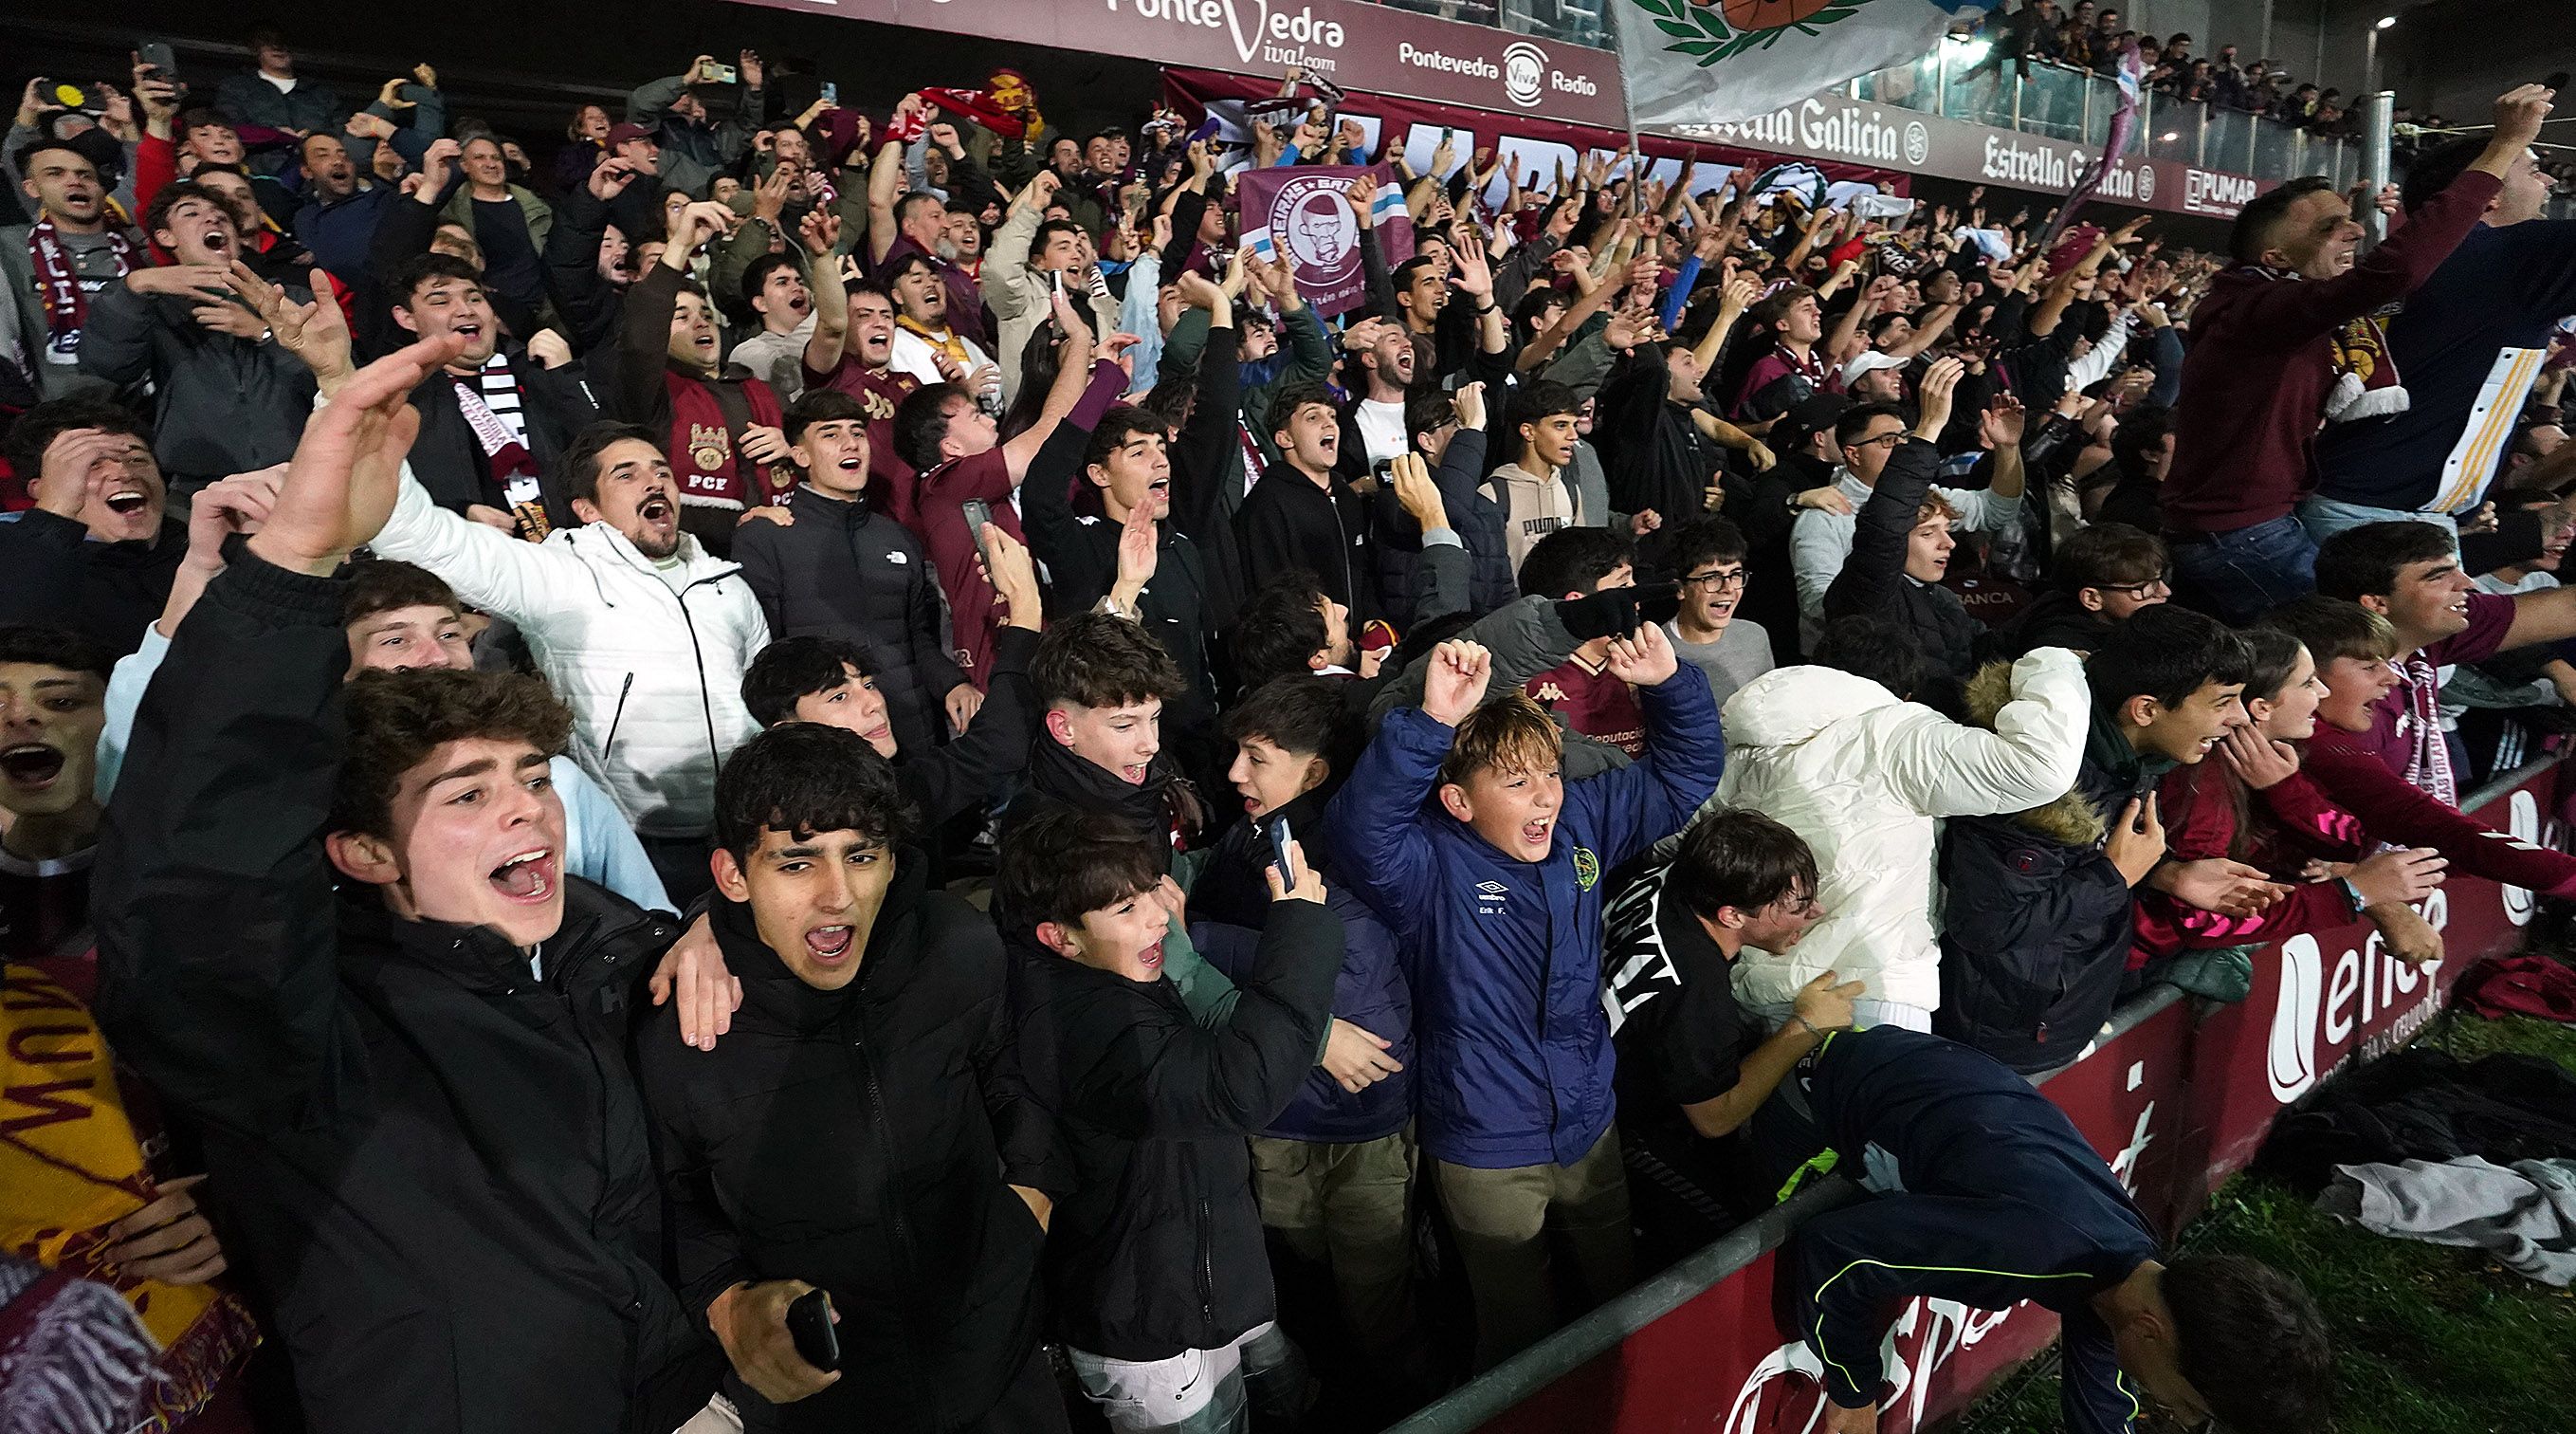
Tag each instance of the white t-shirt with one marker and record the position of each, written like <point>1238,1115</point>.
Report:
<point>1381,429</point>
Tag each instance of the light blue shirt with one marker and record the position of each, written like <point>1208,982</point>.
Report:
<point>599,847</point>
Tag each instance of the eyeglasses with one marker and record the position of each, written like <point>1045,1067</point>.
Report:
<point>2162,580</point>
<point>1716,582</point>
<point>1797,904</point>
<point>1887,441</point>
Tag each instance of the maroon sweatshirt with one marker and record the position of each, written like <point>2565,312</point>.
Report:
<point>2255,381</point>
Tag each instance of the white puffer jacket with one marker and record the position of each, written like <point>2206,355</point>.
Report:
<point>1863,777</point>
<point>652,668</point>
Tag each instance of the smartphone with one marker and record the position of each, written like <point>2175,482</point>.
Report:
<point>809,1323</point>
<point>721,74</point>
<point>978,513</point>
<point>1279,854</point>
<point>154,55</point>
<point>831,93</point>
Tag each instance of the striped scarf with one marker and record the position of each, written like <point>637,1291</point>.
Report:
<point>58,285</point>
<point>2428,758</point>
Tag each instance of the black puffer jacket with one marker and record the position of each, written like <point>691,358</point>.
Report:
<point>52,575</point>
<point>437,1164</point>
<point>448,458</point>
<point>2036,931</point>
<point>1157,1248</point>
<point>865,1140</point>
<point>220,404</point>
<point>844,570</point>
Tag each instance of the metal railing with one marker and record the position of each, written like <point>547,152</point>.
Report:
<point>1969,80</point>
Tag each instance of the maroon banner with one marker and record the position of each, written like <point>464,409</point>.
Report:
<point>1301,211</point>
<point>1540,143</point>
<point>2175,1103</point>
<point>1835,127</point>
<point>1354,44</point>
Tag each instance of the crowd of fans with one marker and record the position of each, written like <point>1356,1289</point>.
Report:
<point>790,765</point>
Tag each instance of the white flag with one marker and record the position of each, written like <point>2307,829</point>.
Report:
<point>1712,63</point>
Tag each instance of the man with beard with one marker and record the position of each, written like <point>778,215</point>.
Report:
<point>95,554</point>
<point>857,358</point>
<point>722,427</point>
<point>225,400</point>
<point>54,267</point>
<point>340,212</point>
<point>645,635</point>
<point>414,1090</point>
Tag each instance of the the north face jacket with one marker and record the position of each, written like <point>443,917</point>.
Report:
<point>1513,1048</point>
<point>844,570</point>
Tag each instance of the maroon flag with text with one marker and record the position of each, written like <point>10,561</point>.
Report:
<point>1303,211</point>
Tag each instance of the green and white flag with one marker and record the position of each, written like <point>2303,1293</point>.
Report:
<point>1716,61</point>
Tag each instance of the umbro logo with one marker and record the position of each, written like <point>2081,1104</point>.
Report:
<point>1493,888</point>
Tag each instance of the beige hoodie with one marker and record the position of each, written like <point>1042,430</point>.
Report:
<point>1534,505</point>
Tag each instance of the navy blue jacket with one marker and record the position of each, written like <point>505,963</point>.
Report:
<point>2001,1201</point>
<point>1504,956</point>
<point>2487,312</point>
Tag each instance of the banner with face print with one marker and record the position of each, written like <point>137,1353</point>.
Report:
<point>1304,212</point>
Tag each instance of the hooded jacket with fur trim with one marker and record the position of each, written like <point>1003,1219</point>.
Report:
<point>2035,934</point>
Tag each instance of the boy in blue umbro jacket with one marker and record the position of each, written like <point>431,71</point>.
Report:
<point>1457,827</point>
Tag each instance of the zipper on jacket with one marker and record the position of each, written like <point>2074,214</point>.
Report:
<point>1206,1271</point>
<point>894,1209</point>
<point>619,716</point>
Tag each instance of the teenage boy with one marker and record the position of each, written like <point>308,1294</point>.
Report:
<point>1103,684</point>
<point>1334,1172</point>
<point>2105,574</point>
<point>496,417</point>
<point>841,568</point>
<point>1302,514</point>
<point>1693,1066</point>
<point>2036,923</point>
<point>2409,573</point>
<point>857,360</point>
<point>874,1024</point>
<point>1705,557</point>
<point>98,551</point>
<point>56,266</point>
<point>1869,435</point>
<point>52,688</point>
<point>959,456</point>
<point>1986,1194</point>
<point>831,681</point>
<point>1576,563</point>
<point>2363,799</point>
<point>398,617</point>
<point>1533,490</point>
<point>1500,918</point>
<point>414,1092</point>
<point>1154,1258</point>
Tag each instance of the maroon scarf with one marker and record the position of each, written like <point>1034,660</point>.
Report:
<point>58,284</point>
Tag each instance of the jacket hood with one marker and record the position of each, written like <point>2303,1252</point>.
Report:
<point>2068,821</point>
<point>1791,704</point>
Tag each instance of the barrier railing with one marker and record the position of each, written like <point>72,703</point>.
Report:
<point>2176,1097</point>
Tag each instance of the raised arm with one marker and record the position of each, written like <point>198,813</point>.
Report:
<point>219,945</point>
<point>1073,376</point>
